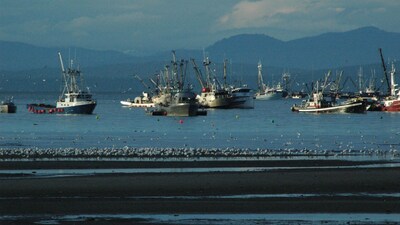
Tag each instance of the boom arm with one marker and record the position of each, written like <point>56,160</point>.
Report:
<point>198,73</point>
<point>61,62</point>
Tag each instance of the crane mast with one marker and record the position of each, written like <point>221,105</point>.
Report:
<point>385,71</point>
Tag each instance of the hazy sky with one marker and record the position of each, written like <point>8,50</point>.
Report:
<point>156,25</point>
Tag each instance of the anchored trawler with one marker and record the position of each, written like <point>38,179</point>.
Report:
<point>73,100</point>
<point>142,101</point>
<point>212,95</point>
<point>268,93</point>
<point>174,99</point>
<point>241,96</point>
<point>317,103</point>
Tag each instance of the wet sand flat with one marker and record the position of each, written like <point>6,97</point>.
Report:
<point>298,190</point>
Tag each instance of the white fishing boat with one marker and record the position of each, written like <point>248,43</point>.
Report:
<point>73,99</point>
<point>212,95</point>
<point>242,97</point>
<point>265,92</point>
<point>143,101</point>
<point>317,103</point>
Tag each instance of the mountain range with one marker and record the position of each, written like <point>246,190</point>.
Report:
<point>329,50</point>
<point>27,67</point>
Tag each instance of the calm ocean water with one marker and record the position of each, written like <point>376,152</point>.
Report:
<point>270,125</point>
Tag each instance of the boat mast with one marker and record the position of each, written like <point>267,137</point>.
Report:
<point>206,64</point>
<point>66,88</point>
<point>385,71</point>
<point>371,85</point>
<point>360,80</point>
<point>175,70</point>
<point>326,81</point>
<point>183,70</point>
<point>225,73</point>
<point>392,81</point>
<point>74,73</point>
<point>167,81</point>
<point>260,78</point>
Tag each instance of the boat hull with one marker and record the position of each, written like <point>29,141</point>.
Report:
<point>181,109</point>
<point>393,107</point>
<point>79,109</point>
<point>357,107</point>
<point>242,98</point>
<point>8,108</point>
<point>271,96</point>
<point>214,100</point>
<point>51,109</point>
<point>243,102</point>
<point>137,105</point>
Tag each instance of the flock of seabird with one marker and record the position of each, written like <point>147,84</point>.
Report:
<point>138,153</point>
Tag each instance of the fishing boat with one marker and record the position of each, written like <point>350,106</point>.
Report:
<point>143,101</point>
<point>391,105</point>
<point>73,100</point>
<point>392,102</point>
<point>242,97</point>
<point>268,93</point>
<point>212,95</point>
<point>272,93</point>
<point>317,103</point>
<point>368,92</point>
<point>211,98</point>
<point>174,99</point>
<point>298,95</point>
<point>8,106</point>
<point>183,103</point>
